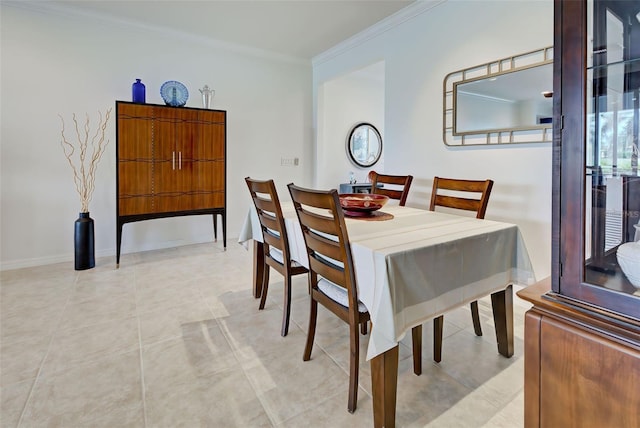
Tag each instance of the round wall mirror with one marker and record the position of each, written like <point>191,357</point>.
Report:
<point>364,144</point>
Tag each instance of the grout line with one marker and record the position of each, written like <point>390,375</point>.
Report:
<point>142,384</point>
<point>228,337</point>
<point>46,354</point>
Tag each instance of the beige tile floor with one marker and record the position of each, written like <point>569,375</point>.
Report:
<point>174,338</point>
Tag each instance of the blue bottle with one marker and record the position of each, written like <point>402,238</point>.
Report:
<point>138,92</point>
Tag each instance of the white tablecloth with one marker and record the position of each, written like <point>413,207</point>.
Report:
<point>418,265</point>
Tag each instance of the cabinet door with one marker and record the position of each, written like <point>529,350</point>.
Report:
<point>135,159</point>
<point>169,184</point>
<point>186,126</point>
<point>596,99</point>
<point>208,166</point>
<point>586,379</point>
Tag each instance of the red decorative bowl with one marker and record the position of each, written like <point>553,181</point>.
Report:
<point>361,204</point>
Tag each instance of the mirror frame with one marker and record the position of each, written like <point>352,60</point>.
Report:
<point>349,145</point>
<point>530,134</point>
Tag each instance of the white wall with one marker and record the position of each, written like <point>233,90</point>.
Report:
<point>56,63</point>
<point>418,54</point>
<point>350,99</point>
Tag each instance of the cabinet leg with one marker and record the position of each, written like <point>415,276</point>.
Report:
<point>215,227</point>
<point>224,229</point>
<point>118,243</point>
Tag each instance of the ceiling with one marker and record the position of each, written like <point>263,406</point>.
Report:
<point>295,28</point>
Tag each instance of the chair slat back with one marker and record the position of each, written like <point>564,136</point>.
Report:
<point>400,192</point>
<point>326,239</point>
<point>267,203</point>
<point>454,191</point>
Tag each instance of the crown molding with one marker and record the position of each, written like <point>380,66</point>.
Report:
<point>401,16</point>
<point>51,8</point>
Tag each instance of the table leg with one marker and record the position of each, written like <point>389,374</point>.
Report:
<point>258,268</point>
<point>502,305</point>
<point>384,383</point>
<point>416,343</point>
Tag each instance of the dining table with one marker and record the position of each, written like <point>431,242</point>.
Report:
<point>413,265</point>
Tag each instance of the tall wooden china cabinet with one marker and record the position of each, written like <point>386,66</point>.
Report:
<point>170,162</point>
<point>582,336</point>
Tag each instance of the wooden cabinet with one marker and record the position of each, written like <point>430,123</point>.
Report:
<point>171,161</point>
<point>582,369</point>
<point>582,336</point>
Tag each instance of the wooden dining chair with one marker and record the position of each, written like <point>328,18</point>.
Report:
<point>456,194</point>
<point>276,244</point>
<point>331,273</point>
<point>400,183</point>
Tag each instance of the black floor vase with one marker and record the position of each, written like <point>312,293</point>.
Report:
<point>84,242</point>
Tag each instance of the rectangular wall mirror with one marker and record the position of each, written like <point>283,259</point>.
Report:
<point>506,101</point>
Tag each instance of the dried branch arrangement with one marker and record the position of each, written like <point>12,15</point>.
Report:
<point>85,155</point>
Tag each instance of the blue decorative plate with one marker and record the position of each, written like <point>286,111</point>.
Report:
<point>174,93</point>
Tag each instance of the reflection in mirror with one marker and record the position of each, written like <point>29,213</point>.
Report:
<point>511,100</point>
<point>364,144</point>
<point>505,101</point>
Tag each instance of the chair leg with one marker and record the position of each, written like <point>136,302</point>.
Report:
<point>416,339</point>
<point>353,368</point>
<point>363,327</point>
<point>475,315</point>
<point>265,286</point>
<point>286,313</point>
<point>258,268</point>
<point>437,338</point>
<point>313,312</point>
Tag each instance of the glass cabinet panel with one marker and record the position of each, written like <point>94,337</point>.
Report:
<point>611,179</point>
